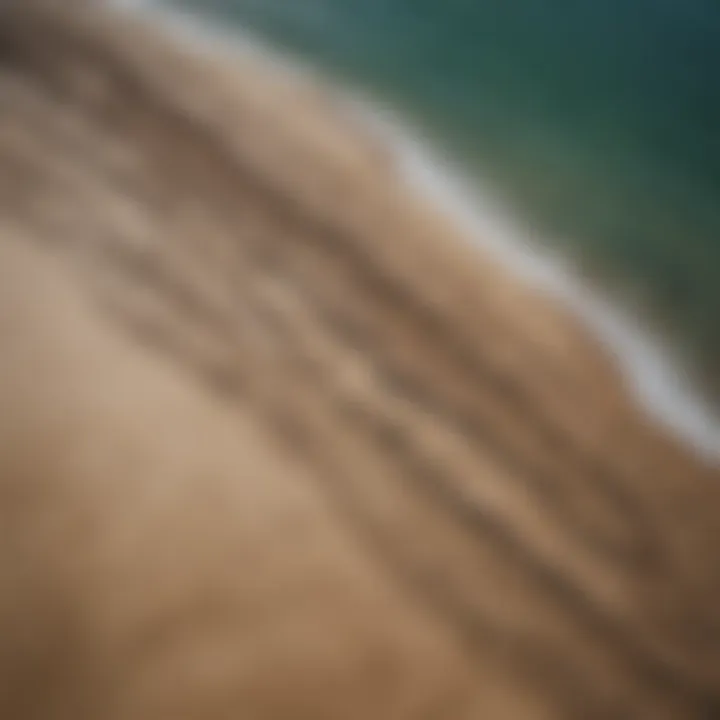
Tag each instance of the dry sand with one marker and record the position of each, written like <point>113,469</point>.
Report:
<point>277,443</point>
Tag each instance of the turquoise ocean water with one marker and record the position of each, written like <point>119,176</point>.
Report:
<point>597,122</point>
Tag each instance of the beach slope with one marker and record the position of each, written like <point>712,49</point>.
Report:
<point>278,443</point>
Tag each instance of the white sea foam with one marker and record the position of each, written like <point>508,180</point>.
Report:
<point>653,371</point>
<point>656,373</point>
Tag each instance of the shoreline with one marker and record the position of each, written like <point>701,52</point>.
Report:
<point>281,441</point>
<point>655,375</point>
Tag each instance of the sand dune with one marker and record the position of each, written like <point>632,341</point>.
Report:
<point>277,443</point>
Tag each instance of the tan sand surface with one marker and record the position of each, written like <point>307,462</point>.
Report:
<point>278,443</point>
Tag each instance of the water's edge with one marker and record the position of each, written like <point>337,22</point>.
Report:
<point>655,373</point>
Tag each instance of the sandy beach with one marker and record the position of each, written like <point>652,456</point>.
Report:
<point>279,442</point>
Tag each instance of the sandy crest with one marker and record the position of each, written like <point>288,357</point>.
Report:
<point>278,443</point>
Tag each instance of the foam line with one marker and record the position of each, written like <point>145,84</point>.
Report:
<point>654,372</point>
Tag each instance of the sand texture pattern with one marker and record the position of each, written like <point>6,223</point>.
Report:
<point>277,443</point>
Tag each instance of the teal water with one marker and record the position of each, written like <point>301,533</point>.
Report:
<point>599,122</point>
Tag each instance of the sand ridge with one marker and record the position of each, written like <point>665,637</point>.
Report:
<point>280,444</point>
